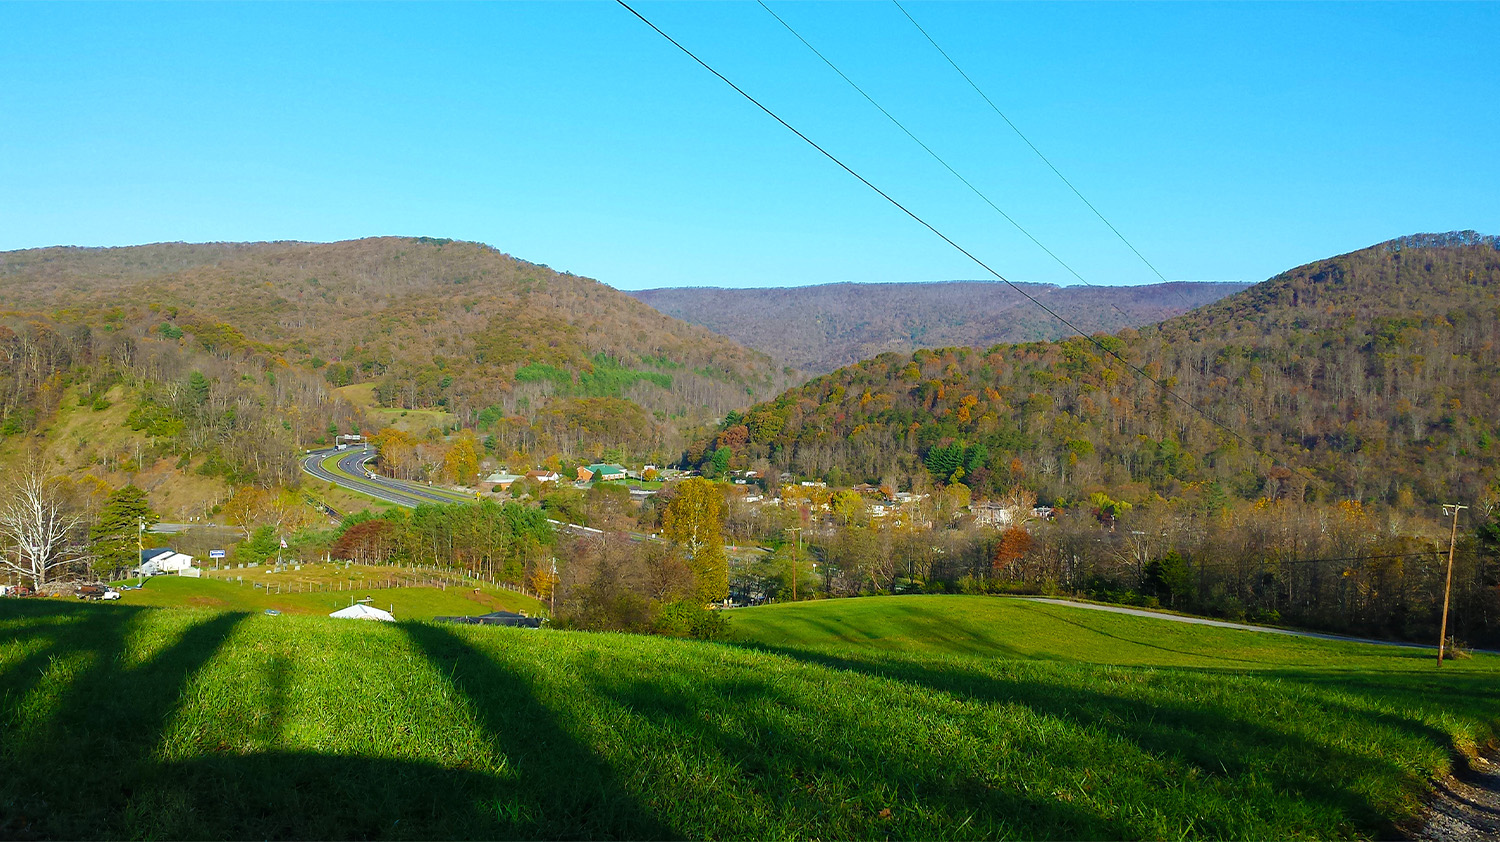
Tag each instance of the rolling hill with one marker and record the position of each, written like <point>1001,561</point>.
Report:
<point>1370,376</point>
<point>820,328</point>
<point>544,361</point>
<point>1038,722</point>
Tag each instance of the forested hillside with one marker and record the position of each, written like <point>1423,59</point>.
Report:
<point>1370,376</point>
<point>122,402</point>
<point>544,361</point>
<point>819,328</point>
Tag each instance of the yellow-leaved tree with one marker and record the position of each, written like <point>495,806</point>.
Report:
<point>461,462</point>
<point>694,523</point>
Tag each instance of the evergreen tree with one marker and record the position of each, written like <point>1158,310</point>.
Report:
<point>198,388</point>
<point>113,539</point>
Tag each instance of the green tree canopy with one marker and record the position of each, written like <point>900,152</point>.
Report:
<point>113,540</point>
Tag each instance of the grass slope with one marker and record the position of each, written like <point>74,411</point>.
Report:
<point>408,603</point>
<point>126,721</point>
<point>416,421</point>
<point>79,441</point>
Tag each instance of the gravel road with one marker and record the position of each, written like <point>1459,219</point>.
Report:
<point>1201,621</point>
<point>1465,806</point>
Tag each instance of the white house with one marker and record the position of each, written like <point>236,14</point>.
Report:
<point>164,560</point>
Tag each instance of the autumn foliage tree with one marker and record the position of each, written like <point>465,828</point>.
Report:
<point>1015,542</point>
<point>461,462</point>
<point>694,523</point>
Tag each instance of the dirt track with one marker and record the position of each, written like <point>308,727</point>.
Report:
<point>1466,806</point>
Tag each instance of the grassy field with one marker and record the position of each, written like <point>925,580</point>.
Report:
<point>1014,628</point>
<point>342,499</point>
<point>407,603</point>
<point>930,717</point>
<point>417,421</point>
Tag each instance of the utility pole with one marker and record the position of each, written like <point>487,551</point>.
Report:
<point>1454,509</point>
<point>796,557</point>
<point>140,548</point>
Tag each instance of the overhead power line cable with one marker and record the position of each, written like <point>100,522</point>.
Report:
<point>935,156</point>
<point>1139,372</point>
<point>1275,562</point>
<point>815,51</point>
<point>1032,146</point>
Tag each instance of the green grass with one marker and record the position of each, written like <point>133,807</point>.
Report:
<point>411,603</point>
<point>409,420</point>
<point>1004,720</point>
<point>342,499</point>
<point>1017,628</point>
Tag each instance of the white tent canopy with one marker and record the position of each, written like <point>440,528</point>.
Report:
<point>360,611</point>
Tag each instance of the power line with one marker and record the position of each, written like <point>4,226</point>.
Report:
<point>1270,562</point>
<point>929,151</point>
<point>965,252</point>
<point>960,177</point>
<point>1033,148</point>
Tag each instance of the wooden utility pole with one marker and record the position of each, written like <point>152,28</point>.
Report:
<point>1454,509</point>
<point>796,557</point>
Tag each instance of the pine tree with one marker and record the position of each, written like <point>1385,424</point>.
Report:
<point>113,539</point>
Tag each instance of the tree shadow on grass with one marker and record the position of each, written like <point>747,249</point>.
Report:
<point>59,630</point>
<point>838,776</point>
<point>1217,743</point>
<point>87,743</point>
<point>1387,698</point>
<point>89,766</point>
<point>563,788</point>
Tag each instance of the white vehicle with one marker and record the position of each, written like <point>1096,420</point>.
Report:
<point>110,594</point>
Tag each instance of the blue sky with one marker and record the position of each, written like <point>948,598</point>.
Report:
<point>1228,141</point>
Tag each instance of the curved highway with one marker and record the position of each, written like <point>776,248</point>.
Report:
<point>348,471</point>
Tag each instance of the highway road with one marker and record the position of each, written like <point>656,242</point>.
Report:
<point>349,472</point>
<point>175,528</point>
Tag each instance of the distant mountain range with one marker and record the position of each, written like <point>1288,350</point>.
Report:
<point>1371,376</point>
<point>817,329</point>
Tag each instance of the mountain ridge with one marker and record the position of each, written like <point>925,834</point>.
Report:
<point>540,361</point>
<point>1377,371</point>
<point>817,328</point>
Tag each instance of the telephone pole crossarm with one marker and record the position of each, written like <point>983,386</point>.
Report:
<point>1453,509</point>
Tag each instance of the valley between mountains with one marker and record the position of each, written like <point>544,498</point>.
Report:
<point>768,538</point>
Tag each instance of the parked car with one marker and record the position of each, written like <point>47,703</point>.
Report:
<point>96,592</point>
<point>110,593</point>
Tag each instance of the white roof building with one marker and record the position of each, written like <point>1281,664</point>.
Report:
<point>163,560</point>
<point>360,611</point>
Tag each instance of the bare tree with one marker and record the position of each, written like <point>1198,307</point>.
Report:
<point>43,533</point>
